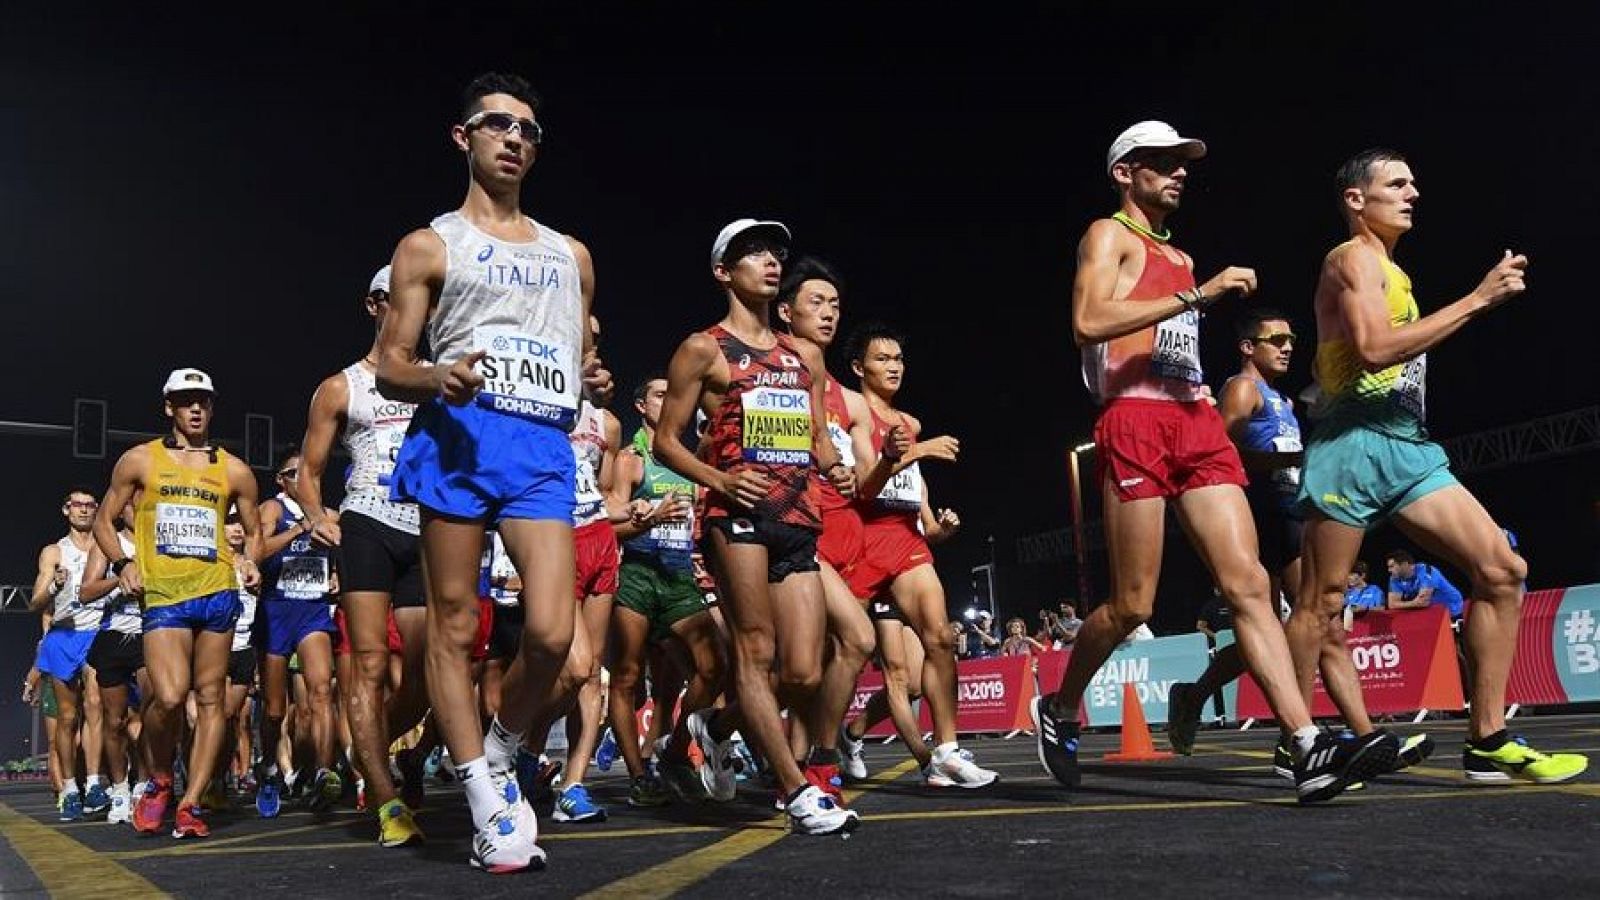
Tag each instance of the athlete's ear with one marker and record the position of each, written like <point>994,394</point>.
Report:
<point>855,366</point>
<point>458,134</point>
<point>721,274</point>
<point>1354,199</point>
<point>785,313</point>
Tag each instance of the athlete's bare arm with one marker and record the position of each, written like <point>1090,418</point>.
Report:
<point>1109,262</point>
<point>51,579</point>
<point>1351,305</point>
<point>628,472</point>
<point>243,484</point>
<point>326,419</point>
<point>610,461</point>
<point>899,451</point>
<point>937,527</point>
<point>696,377</point>
<point>274,543</point>
<point>97,581</point>
<point>415,278</point>
<point>126,479</point>
<point>827,456</point>
<point>1241,399</point>
<point>1421,601</point>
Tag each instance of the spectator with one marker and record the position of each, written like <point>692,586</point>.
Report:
<point>963,651</point>
<point>1018,643</point>
<point>983,642</point>
<point>1067,624</point>
<point>1215,616</point>
<point>1414,585</point>
<point>1360,596</point>
<point>1046,634</point>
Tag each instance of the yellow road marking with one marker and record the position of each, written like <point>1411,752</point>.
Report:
<point>679,873</point>
<point>209,843</point>
<point>66,867</point>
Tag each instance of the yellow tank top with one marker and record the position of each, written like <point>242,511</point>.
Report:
<point>178,530</point>
<point>1392,400</point>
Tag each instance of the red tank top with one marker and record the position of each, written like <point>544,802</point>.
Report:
<point>838,416</point>
<point>901,496</point>
<point>764,424</point>
<point>1161,362</point>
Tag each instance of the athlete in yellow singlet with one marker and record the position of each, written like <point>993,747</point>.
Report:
<point>1369,459</point>
<point>181,487</point>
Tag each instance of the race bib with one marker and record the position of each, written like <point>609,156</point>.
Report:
<point>841,443</point>
<point>903,492</point>
<point>1410,387</point>
<point>1176,354</point>
<point>777,426</point>
<point>589,498</point>
<point>304,577</point>
<point>186,531</point>
<point>388,438</point>
<point>526,377</point>
<point>1287,479</point>
<point>677,536</point>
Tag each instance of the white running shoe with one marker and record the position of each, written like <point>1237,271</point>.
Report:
<point>506,844</point>
<point>855,765</point>
<point>956,769</point>
<point>121,811</point>
<point>815,813</point>
<point>719,774</point>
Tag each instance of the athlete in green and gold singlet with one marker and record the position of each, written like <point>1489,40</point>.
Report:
<point>1369,459</point>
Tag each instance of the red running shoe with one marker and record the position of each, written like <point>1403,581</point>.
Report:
<point>152,806</point>
<point>189,824</point>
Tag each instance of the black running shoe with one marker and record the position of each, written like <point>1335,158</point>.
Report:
<point>1413,750</point>
<point>1336,761</point>
<point>1058,742</point>
<point>1283,759</point>
<point>1185,703</point>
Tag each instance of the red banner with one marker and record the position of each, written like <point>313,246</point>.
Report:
<point>1534,676</point>
<point>1406,661</point>
<point>991,695</point>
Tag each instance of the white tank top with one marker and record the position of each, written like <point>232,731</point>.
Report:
<point>522,304</point>
<point>69,611</point>
<point>247,615</point>
<point>122,610</point>
<point>500,567</point>
<point>589,448</point>
<point>374,429</point>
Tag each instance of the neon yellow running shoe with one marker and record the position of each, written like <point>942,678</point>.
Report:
<point>396,827</point>
<point>1516,760</point>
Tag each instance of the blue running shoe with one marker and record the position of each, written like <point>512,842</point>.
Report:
<point>97,802</point>
<point>574,805</point>
<point>269,797</point>
<point>605,756</point>
<point>72,807</point>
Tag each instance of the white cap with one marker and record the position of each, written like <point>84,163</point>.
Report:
<point>733,229</point>
<point>187,380</point>
<point>380,282</point>
<point>1152,133</point>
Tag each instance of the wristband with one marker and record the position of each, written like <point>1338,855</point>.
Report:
<point>118,565</point>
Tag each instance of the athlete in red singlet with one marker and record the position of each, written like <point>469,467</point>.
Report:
<point>764,395</point>
<point>1136,314</point>
<point>896,563</point>
<point>808,304</point>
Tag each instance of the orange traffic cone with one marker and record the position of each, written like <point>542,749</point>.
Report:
<point>1136,744</point>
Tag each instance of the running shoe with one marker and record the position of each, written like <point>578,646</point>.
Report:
<point>536,774</point>
<point>269,797</point>
<point>1283,759</point>
<point>326,789</point>
<point>1335,762</point>
<point>1515,760</point>
<point>189,824</point>
<point>361,795</point>
<point>1057,742</point>
<point>574,805</point>
<point>855,763</point>
<point>826,779</point>
<point>605,755</point>
<point>71,806</point>
<point>744,761</point>
<point>505,845</point>
<point>813,812</point>
<point>1185,704</point>
<point>646,791</point>
<point>1413,750</point>
<point>152,806</point>
<point>719,773</point>
<point>396,826</point>
<point>121,809</point>
<point>958,768</point>
<point>412,774</point>
<point>682,778</point>
<point>96,801</point>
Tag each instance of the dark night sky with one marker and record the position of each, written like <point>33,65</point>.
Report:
<point>214,193</point>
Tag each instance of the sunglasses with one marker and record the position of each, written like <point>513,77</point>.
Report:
<point>290,474</point>
<point>499,124</point>
<point>756,248</point>
<point>1280,339</point>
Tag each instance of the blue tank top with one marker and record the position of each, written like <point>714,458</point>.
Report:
<point>301,571</point>
<point>1274,429</point>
